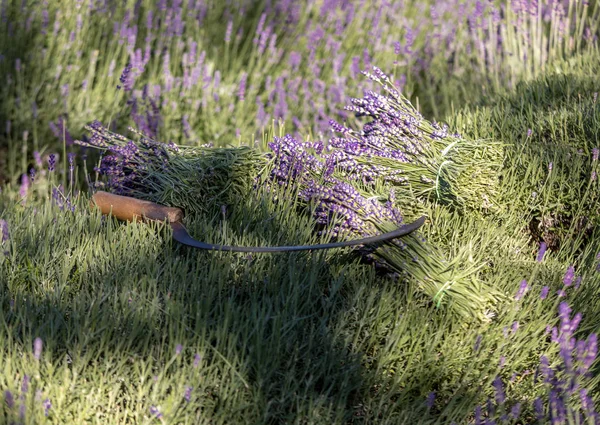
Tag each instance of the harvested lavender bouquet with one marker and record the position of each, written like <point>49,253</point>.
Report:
<point>421,159</point>
<point>358,209</point>
<point>199,179</point>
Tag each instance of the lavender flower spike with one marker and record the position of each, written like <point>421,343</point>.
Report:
<point>568,279</point>
<point>37,348</point>
<point>4,235</point>
<point>522,289</point>
<point>541,252</point>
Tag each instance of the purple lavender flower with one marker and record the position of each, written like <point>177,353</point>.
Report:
<point>178,349</point>
<point>188,393</point>
<point>502,361</point>
<point>4,231</point>
<point>125,78</point>
<point>71,158</point>
<point>586,401</point>
<point>228,31</point>
<point>51,162</point>
<point>544,292</point>
<point>538,406</point>
<point>522,289</point>
<point>568,278</point>
<point>37,157</point>
<point>515,411</point>
<point>541,252</point>
<point>242,87</point>
<point>155,412</point>
<point>24,186</point>
<point>24,385</point>
<point>478,416</point>
<point>529,132</point>
<point>47,406</point>
<point>550,166</point>
<point>197,359</point>
<point>591,351</point>
<point>37,347</point>
<point>500,396</point>
<point>10,400</point>
<point>595,153</point>
<point>515,327</point>
<point>430,400</point>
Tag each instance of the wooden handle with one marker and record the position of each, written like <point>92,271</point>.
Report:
<point>127,208</point>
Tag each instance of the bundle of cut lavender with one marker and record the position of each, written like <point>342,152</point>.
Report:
<point>363,208</point>
<point>420,158</point>
<point>198,179</point>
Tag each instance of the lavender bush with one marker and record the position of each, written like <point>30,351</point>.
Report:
<point>204,70</point>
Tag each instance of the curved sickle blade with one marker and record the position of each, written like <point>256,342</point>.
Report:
<point>181,235</point>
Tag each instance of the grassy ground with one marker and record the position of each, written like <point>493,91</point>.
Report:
<point>108,322</point>
<point>137,329</point>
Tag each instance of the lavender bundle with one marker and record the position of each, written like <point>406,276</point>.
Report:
<point>420,158</point>
<point>361,209</point>
<point>198,179</point>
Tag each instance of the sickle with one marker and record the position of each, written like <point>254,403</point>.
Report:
<point>127,208</point>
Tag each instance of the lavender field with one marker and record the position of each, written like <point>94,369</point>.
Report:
<point>279,122</point>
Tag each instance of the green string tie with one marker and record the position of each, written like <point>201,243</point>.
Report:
<point>442,292</point>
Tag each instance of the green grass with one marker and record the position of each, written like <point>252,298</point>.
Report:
<point>304,338</point>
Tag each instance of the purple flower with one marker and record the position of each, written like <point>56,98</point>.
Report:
<point>51,162</point>
<point>515,327</point>
<point>37,347</point>
<point>595,153</point>
<point>178,349</point>
<point>47,406</point>
<point>4,231</point>
<point>500,396</point>
<point>478,416</point>
<point>24,186</point>
<point>8,397</point>
<point>37,157</point>
<point>24,385</point>
<point>541,252</point>
<point>242,87</point>
<point>591,351</point>
<point>522,289</point>
<point>502,361</point>
<point>544,292</point>
<point>550,166</point>
<point>228,31</point>
<point>529,132</point>
<point>515,411</point>
<point>568,278</point>
<point>155,412</point>
<point>430,400</point>
<point>125,78</point>
<point>586,401</point>
<point>197,359</point>
<point>538,406</point>
<point>188,393</point>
